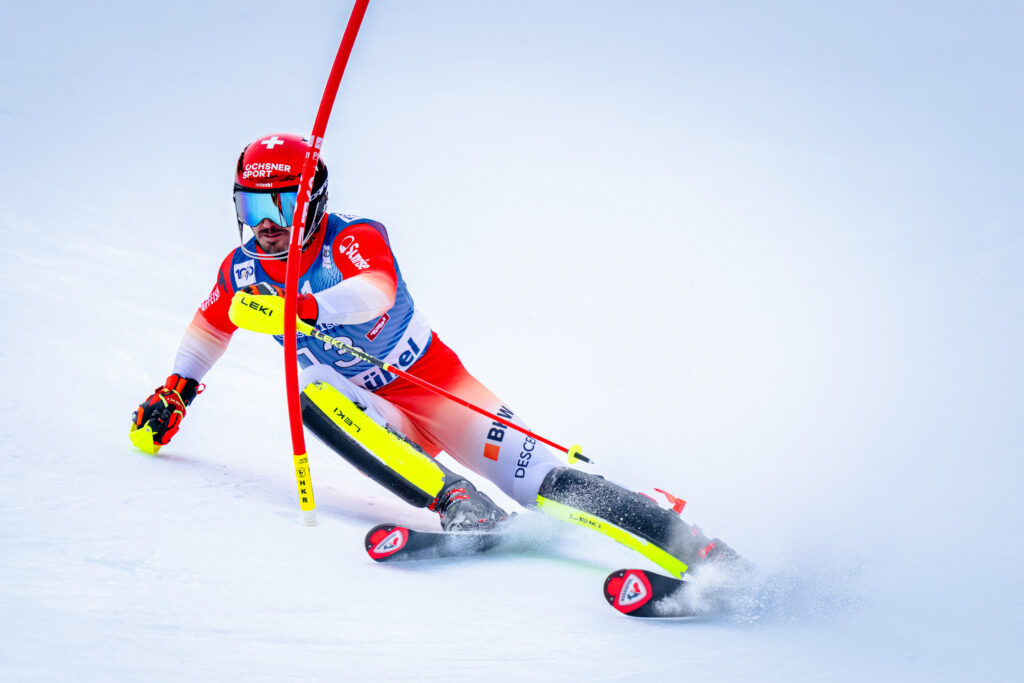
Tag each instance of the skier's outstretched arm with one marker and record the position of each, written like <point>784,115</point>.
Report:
<point>201,347</point>
<point>158,418</point>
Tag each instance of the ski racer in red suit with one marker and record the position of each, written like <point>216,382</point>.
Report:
<point>351,288</point>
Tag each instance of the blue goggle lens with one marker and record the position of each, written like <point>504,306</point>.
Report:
<point>253,207</point>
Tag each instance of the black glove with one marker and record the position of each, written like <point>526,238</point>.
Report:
<point>159,417</point>
<point>263,288</point>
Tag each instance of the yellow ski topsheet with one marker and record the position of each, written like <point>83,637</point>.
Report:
<point>566,513</point>
<point>399,456</point>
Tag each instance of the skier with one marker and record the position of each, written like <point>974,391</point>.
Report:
<point>351,287</point>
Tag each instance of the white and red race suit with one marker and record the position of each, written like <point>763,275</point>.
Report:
<point>351,271</point>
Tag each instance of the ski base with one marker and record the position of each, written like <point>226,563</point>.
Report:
<point>640,593</point>
<point>396,543</point>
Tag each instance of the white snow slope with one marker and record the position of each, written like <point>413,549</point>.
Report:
<point>767,258</point>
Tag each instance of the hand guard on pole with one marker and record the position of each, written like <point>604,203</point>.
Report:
<point>308,308</point>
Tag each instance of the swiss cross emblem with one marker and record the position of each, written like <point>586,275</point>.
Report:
<point>272,142</point>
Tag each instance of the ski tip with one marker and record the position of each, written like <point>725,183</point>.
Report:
<point>385,540</point>
<point>628,591</point>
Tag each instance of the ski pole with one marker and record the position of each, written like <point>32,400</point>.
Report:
<point>266,313</point>
<point>291,280</point>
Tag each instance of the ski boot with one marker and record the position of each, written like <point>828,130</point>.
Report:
<point>463,508</point>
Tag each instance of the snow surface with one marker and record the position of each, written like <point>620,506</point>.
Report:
<point>822,353</point>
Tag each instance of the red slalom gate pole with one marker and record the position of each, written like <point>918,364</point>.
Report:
<point>291,284</point>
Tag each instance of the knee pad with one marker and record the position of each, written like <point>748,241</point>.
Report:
<point>378,452</point>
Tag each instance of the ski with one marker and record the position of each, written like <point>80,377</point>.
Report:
<point>396,543</point>
<point>640,593</point>
<point>633,592</point>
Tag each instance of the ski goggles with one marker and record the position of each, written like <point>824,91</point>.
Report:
<point>252,206</point>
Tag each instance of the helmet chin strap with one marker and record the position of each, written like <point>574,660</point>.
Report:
<point>258,255</point>
<point>277,255</point>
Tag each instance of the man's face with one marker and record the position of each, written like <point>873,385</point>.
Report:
<point>272,237</point>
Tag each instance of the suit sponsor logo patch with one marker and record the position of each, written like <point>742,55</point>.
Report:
<point>350,248</point>
<point>245,273</point>
<point>496,434</point>
<point>377,327</point>
<point>212,299</point>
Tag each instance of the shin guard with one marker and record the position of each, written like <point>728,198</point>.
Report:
<point>633,520</point>
<point>379,453</point>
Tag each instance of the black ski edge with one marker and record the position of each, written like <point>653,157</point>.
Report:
<point>398,543</point>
